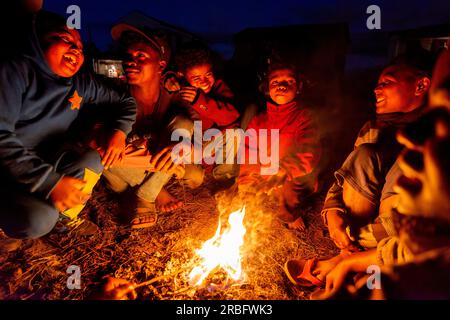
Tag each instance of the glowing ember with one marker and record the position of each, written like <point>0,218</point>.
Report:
<point>222,250</point>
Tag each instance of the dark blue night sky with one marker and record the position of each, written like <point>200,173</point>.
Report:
<point>216,20</point>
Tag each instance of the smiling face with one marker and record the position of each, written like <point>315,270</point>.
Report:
<point>142,64</point>
<point>201,76</point>
<point>398,90</point>
<point>63,51</point>
<point>282,86</point>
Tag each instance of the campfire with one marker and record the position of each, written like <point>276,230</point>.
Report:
<point>222,251</point>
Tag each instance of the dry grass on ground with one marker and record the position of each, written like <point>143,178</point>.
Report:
<point>164,255</point>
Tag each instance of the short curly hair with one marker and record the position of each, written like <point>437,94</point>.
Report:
<point>192,54</point>
<point>275,66</point>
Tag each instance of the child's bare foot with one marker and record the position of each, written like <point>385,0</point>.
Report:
<point>286,216</point>
<point>144,214</point>
<point>297,224</point>
<point>165,202</point>
<point>324,267</point>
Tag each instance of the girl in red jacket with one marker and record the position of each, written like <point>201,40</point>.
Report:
<point>299,149</point>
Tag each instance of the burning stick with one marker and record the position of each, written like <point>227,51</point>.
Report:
<point>146,283</point>
<point>156,279</point>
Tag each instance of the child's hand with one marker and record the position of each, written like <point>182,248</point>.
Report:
<point>336,279</point>
<point>67,193</point>
<point>171,84</point>
<point>114,150</point>
<point>188,94</point>
<point>117,289</point>
<point>337,229</point>
<point>274,182</point>
<point>163,162</point>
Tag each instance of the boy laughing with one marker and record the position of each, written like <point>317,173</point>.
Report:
<point>41,95</point>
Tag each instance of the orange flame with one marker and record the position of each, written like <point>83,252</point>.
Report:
<point>222,250</point>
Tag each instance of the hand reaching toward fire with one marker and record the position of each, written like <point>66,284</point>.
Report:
<point>274,182</point>
<point>116,289</point>
<point>163,162</point>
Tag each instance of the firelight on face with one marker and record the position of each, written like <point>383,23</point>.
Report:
<point>142,64</point>
<point>63,51</point>
<point>395,91</point>
<point>201,77</point>
<point>282,86</point>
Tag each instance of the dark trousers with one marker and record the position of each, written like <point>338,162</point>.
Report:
<point>24,215</point>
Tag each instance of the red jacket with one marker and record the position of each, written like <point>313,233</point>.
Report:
<point>216,107</point>
<point>299,149</point>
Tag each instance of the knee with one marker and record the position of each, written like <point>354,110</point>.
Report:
<point>357,204</point>
<point>91,159</point>
<point>114,182</point>
<point>36,219</point>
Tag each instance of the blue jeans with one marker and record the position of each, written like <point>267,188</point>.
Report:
<point>24,215</point>
<point>148,185</point>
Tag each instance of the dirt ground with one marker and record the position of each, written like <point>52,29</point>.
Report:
<point>165,254</point>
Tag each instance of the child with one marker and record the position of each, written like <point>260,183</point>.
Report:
<point>41,95</point>
<point>365,180</point>
<point>299,149</point>
<point>367,177</point>
<point>146,53</point>
<point>206,98</point>
<point>416,261</point>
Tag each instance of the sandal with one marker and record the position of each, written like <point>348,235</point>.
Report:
<point>299,273</point>
<point>145,216</point>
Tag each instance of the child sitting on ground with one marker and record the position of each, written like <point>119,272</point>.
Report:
<point>360,218</point>
<point>416,260</point>
<point>299,149</point>
<point>41,95</point>
<point>206,98</point>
